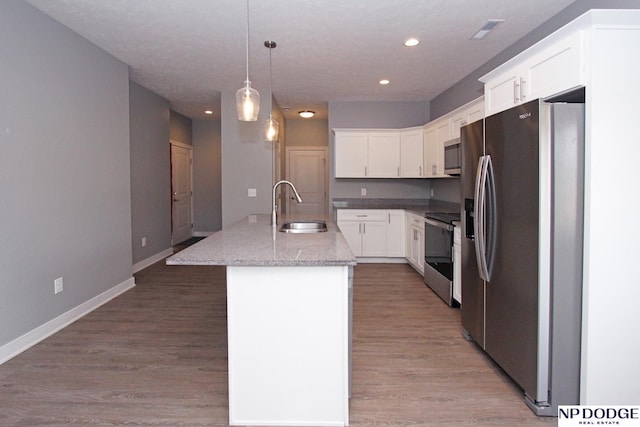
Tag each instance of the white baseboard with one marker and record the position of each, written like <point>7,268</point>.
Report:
<point>152,260</point>
<point>374,260</point>
<point>33,337</point>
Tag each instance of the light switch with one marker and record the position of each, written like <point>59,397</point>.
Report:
<point>252,192</point>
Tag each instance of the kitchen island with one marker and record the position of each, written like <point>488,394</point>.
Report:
<point>288,321</point>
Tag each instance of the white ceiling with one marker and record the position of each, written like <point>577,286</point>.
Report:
<point>188,51</point>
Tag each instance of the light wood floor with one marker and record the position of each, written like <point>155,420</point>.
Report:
<point>157,356</point>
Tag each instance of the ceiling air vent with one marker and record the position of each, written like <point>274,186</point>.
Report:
<point>486,28</point>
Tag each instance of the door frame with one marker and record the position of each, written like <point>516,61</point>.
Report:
<point>326,169</point>
<point>189,148</point>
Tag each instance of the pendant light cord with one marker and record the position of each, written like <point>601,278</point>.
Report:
<point>247,40</point>
<point>271,46</point>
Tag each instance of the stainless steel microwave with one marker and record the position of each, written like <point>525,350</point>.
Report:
<point>452,157</point>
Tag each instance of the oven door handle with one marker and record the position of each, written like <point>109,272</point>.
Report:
<point>439,224</point>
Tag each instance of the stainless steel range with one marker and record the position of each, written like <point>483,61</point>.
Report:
<point>438,254</point>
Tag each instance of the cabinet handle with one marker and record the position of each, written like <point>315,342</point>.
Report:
<point>420,169</point>
<point>516,89</point>
<point>365,171</point>
<point>434,169</point>
<point>359,228</point>
<point>522,91</point>
<point>364,228</point>
<point>389,217</point>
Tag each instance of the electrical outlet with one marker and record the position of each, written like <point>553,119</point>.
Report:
<point>144,242</point>
<point>58,285</point>
<point>252,192</point>
<point>363,191</point>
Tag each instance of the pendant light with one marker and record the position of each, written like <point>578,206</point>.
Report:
<point>247,98</point>
<point>271,126</point>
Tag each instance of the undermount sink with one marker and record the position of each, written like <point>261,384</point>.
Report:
<point>304,227</point>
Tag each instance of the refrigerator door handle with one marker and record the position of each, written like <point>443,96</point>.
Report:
<point>478,217</point>
<point>491,220</point>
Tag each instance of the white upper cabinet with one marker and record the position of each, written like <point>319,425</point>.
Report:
<point>383,155</point>
<point>465,115</point>
<point>351,154</point>
<point>411,153</point>
<point>416,152</point>
<point>550,69</point>
<point>435,134</point>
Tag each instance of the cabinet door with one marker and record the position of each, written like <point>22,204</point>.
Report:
<point>383,160</point>
<point>430,152</point>
<point>351,154</point>
<point>457,121</point>
<point>475,113</point>
<point>408,236</point>
<point>395,233</point>
<point>502,92</point>
<point>411,154</point>
<point>374,238</point>
<point>351,232</point>
<point>469,115</point>
<point>556,69</point>
<point>443,133</point>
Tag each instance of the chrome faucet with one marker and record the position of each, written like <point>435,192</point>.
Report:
<point>274,215</point>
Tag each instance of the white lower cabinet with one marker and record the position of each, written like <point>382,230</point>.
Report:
<point>415,241</point>
<point>395,233</point>
<point>373,232</point>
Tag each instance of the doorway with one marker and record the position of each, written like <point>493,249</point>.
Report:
<point>181,192</point>
<point>308,170</point>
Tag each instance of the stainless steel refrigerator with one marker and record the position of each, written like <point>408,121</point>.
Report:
<point>522,185</point>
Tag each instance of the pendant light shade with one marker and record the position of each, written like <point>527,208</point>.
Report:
<point>247,98</point>
<point>247,103</point>
<point>271,125</point>
<point>271,129</point>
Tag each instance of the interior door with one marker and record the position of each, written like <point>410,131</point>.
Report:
<point>307,170</point>
<point>181,219</point>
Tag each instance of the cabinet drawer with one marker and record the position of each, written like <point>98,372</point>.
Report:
<point>416,221</point>
<point>362,215</point>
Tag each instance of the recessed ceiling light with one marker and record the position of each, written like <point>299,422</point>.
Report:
<point>412,42</point>
<point>384,82</point>
<point>306,114</point>
<point>489,26</point>
<point>208,112</point>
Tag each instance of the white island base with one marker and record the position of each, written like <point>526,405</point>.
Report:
<point>288,338</point>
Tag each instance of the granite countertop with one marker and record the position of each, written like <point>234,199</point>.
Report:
<point>253,242</point>
<point>417,205</point>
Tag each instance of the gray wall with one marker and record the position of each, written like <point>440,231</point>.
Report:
<point>64,169</point>
<point>207,173</point>
<point>180,128</point>
<point>150,173</point>
<point>470,88</point>
<point>246,162</point>
<point>393,115</point>
<point>307,132</point>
